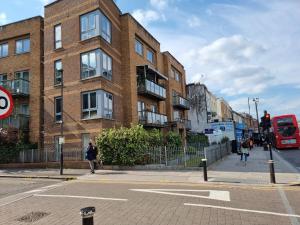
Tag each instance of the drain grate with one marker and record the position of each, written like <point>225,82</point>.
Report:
<point>32,217</point>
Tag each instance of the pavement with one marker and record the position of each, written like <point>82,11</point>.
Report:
<point>235,195</point>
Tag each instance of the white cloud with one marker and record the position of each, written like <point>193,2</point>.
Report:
<point>147,16</point>
<point>46,2</point>
<point>194,21</point>
<point>159,4</point>
<point>3,18</point>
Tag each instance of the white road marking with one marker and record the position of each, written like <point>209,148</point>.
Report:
<point>215,195</point>
<point>242,210</point>
<point>82,197</point>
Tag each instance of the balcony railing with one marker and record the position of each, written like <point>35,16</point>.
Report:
<point>186,123</point>
<point>16,87</point>
<point>181,102</point>
<point>152,119</point>
<point>151,89</point>
<point>18,121</point>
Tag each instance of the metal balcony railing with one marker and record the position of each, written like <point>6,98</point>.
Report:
<point>181,102</point>
<point>187,123</point>
<point>152,119</point>
<point>18,121</point>
<point>16,86</point>
<point>150,88</point>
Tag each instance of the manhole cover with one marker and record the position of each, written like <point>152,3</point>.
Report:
<point>32,217</point>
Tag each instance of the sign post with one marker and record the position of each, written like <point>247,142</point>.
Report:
<point>6,103</point>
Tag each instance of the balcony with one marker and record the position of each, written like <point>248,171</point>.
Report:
<point>17,121</point>
<point>17,87</point>
<point>187,124</point>
<point>151,119</point>
<point>181,102</point>
<point>151,89</point>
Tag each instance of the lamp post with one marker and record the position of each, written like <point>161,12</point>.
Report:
<point>61,141</point>
<point>256,101</point>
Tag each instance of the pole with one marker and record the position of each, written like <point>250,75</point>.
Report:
<point>272,172</point>
<point>204,162</point>
<point>256,100</point>
<point>249,112</point>
<point>87,215</point>
<point>62,124</point>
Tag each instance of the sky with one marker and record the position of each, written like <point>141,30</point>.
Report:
<point>237,48</point>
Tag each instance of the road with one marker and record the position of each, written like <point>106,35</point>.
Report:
<point>292,156</point>
<point>129,203</point>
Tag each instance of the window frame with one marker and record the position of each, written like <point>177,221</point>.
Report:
<point>152,53</point>
<point>22,41</point>
<point>56,42</point>
<point>55,109</point>
<point>56,73</point>
<point>141,45</point>
<point>1,50</point>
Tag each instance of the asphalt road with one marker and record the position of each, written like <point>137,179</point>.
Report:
<point>153,203</point>
<point>292,156</point>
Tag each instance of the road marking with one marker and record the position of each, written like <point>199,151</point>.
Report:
<point>242,210</point>
<point>215,195</point>
<point>81,197</point>
<point>287,206</point>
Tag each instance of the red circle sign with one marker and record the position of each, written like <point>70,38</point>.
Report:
<point>6,103</point>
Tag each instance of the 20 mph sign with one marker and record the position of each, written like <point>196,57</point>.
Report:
<point>6,103</point>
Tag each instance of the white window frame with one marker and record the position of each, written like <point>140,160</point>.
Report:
<point>23,50</point>
<point>55,109</point>
<point>2,55</point>
<point>57,36</point>
<point>57,73</point>
<point>139,48</point>
<point>20,75</point>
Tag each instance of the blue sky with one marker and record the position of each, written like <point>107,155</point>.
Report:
<point>238,48</point>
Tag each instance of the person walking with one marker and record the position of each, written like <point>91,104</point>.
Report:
<point>251,143</point>
<point>91,155</point>
<point>245,151</point>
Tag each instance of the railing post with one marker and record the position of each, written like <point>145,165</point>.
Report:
<point>184,152</point>
<point>166,156</point>
<point>160,155</point>
<point>32,155</point>
<point>23,156</point>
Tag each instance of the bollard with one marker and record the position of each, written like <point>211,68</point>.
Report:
<point>204,161</point>
<point>272,171</point>
<point>87,215</point>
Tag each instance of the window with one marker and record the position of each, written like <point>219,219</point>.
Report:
<point>58,109</point>
<point>154,108</point>
<point>176,75</point>
<point>3,50</point>
<point>57,36</point>
<point>150,56</point>
<point>138,47</point>
<point>97,104</point>
<point>3,80</point>
<point>96,63</point>
<point>23,46</point>
<point>57,72</point>
<point>176,115</point>
<point>94,24</point>
<point>23,75</point>
<point>141,109</point>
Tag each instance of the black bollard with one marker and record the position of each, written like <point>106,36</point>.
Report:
<point>272,172</point>
<point>87,215</point>
<point>204,161</point>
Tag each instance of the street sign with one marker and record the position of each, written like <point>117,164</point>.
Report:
<point>6,103</point>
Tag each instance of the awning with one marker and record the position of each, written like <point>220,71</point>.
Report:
<point>149,69</point>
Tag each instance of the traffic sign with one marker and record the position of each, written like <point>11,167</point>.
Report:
<point>6,103</point>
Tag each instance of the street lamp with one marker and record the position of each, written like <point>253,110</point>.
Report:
<point>256,101</point>
<point>61,139</point>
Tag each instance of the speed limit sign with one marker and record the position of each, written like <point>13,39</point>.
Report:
<point>6,103</point>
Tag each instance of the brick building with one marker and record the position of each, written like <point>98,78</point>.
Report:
<point>21,72</point>
<point>113,74</point>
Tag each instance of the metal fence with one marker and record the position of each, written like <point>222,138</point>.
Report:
<point>163,156</point>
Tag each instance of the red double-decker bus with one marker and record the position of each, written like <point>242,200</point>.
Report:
<point>286,132</point>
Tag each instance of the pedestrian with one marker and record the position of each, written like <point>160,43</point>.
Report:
<point>244,151</point>
<point>91,156</point>
<point>251,143</point>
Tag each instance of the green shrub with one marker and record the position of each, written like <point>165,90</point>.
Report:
<point>173,139</point>
<point>10,152</point>
<point>201,139</point>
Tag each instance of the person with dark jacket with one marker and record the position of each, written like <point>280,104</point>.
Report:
<point>91,155</point>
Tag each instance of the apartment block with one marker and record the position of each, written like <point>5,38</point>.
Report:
<point>102,70</point>
<point>21,72</point>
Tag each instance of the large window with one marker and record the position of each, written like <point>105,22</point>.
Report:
<point>22,46</point>
<point>57,72</point>
<point>138,47</point>
<point>94,24</point>
<point>58,109</point>
<point>3,50</point>
<point>150,56</point>
<point>57,36</point>
<point>97,104</point>
<point>176,75</point>
<point>96,63</point>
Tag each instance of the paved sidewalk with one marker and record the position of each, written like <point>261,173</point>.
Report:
<point>256,171</point>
